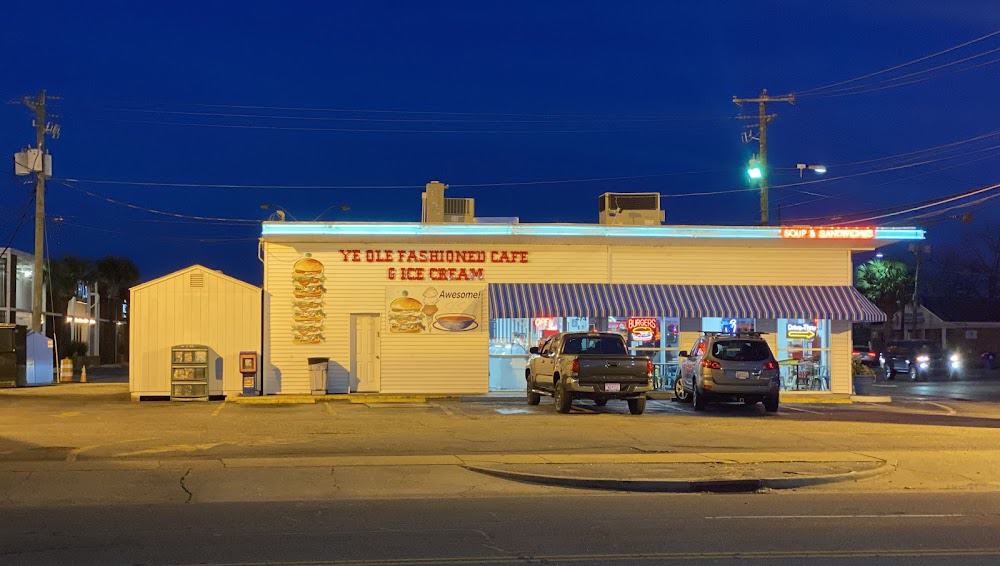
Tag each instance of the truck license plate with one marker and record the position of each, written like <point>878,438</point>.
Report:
<point>612,387</point>
<point>742,375</point>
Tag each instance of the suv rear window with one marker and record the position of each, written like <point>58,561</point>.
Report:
<point>594,345</point>
<point>741,350</point>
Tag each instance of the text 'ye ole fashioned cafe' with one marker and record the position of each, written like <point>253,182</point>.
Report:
<point>453,303</point>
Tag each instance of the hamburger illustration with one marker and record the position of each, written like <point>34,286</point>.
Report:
<point>307,306</point>
<point>405,315</point>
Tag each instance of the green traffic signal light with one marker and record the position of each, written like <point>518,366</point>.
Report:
<point>754,170</point>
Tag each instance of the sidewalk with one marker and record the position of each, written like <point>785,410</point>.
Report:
<point>130,482</point>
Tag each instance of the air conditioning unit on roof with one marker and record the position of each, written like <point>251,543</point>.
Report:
<point>631,209</point>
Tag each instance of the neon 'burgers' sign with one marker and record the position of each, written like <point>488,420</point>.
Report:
<point>643,329</point>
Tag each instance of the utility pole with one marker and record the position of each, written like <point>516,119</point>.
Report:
<point>917,250</point>
<point>37,107</point>
<point>763,118</point>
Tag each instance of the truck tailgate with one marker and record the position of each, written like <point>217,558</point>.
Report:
<point>612,368</point>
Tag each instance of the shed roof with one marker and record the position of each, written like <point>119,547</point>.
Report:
<point>211,272</point>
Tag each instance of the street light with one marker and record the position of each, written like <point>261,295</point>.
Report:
<point>818,169</point>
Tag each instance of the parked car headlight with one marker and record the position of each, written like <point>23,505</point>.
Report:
<point>955,358</point>
<point>923,359</point>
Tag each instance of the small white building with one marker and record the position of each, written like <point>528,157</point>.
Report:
<point>193,306</point>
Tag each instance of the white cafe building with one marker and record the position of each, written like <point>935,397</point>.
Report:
<point>450,305</point>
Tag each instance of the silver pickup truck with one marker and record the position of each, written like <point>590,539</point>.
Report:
<point>589,365</point>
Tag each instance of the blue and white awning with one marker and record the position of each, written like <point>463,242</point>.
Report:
<point>526,300</point>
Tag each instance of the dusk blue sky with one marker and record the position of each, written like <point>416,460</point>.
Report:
<point>535,90</point>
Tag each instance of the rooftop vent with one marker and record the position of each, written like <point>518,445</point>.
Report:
<point>631,209</point>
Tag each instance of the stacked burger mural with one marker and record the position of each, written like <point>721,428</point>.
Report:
<point>307,302</point>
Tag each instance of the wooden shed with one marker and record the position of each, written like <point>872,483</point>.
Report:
<point>193,306</point>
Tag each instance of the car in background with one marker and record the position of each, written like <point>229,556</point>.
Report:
<point>729,367</point>
<point>865,355</point>
<point>919,358</point>
<point>588,365</point>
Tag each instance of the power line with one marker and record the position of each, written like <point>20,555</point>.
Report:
<point>428,112</point>
<point>945,200</point>
<point>26,211</point>
<point>886,212</point>
<point>899,180</point>
<point>161,212</point>
<point>901,65</point>
<point>414,186</point>
<point>379,130</point>
<point>415,120</point>
<point>893,83</point>
<point>156,237</point>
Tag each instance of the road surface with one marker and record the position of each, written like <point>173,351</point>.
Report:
<point>772,528</point>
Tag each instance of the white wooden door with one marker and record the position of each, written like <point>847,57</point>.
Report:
<point>366,349</point>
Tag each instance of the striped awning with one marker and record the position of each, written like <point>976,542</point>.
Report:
<point>526,300</point>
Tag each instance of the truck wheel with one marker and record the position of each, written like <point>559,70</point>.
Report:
<point>637,406</point>
<point>564,401</point>
<point>771,403</point>
<point>698,400</point>
<point>533,398</point>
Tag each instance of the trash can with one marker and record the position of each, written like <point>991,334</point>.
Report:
<point>317,375</point>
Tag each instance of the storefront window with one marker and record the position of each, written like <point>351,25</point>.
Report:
<point>727,325</point>
<point>804,353</point>
<point>658,338</point>
<point>510,339</point>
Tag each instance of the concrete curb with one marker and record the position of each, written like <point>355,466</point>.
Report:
<point>747,485</point>
<point>871,399</point>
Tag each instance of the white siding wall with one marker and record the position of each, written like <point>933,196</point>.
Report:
<point>224,315</point>
<point>459,363</point>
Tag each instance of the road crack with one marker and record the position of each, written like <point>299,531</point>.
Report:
<point>184,487</point>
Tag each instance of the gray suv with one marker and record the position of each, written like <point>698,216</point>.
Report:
<point>728,367</point>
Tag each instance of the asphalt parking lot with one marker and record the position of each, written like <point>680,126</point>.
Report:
<point>92,421</point>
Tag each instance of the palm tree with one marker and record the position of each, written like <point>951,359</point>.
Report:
<point>116,275</point>
<point>888,284</point>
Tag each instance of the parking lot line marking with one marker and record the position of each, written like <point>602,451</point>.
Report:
<point>328,407</point>
<point>670,405</point>
<point>218,409</point>
<point>802,410</point>
<point>942,406</point>
<point>866,516</point>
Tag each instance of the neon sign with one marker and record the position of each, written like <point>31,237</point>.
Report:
<point>643,329</point>
<point>827,233</point>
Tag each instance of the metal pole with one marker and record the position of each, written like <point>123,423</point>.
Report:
<point>764,208</point>
<point>37,300</point>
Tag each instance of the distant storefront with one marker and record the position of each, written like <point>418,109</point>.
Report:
<point>454,308</point>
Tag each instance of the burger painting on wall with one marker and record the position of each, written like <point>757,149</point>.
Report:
<point>307,301</point>
<point>432,310</point>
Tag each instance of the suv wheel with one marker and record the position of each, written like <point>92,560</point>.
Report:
<point>563,400</point>
<point>533,398</point>
<point>771,403</point>
<point>698,400</point>
<point>637,406</point>
<point>681,394</point>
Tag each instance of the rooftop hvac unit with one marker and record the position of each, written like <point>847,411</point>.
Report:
<point>461,210</point>
<point>631,209</point>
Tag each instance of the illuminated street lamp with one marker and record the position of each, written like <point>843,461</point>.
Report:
<point>818,169</point>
